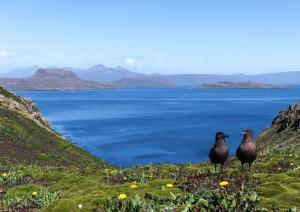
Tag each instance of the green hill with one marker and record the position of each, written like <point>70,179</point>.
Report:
<point>27,137</point>
<point>41,171</point>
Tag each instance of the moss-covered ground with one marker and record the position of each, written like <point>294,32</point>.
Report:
<point>276,180</point>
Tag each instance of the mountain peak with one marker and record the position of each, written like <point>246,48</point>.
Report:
<point>121,68</point>
<point>102,73</point>
<point>98,67</point>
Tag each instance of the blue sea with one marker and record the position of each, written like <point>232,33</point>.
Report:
<point>128,127</point>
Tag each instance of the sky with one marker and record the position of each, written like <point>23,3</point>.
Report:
<point>165,36</point>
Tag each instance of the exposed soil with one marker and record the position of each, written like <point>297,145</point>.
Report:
<point>11,150</point>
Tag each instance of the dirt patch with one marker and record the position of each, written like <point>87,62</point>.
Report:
<point>235,183</point>
<point>17,208</point>
<point>13,151</point>
<point>281,167</point>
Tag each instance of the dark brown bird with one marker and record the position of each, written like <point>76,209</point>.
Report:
<point>246,152</point>
<point>219,153</point>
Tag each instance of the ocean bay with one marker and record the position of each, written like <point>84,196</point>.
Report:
<point>128,127</point>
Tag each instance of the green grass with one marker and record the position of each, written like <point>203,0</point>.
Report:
<point>277,190</point>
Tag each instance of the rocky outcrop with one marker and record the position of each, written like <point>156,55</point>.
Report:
<point>288,118</point>
<point>35,112</point>
<point>2,98</point>
<point>23,105</point>
<point>282,136</point>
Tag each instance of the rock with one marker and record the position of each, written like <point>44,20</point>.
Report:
<point>2,97</point>
<point>288,118</point>
<point>34,111</point>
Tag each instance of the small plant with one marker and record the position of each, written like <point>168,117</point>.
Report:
<point>31,200</point>
<point>201,200</point>
<point>10,178</point>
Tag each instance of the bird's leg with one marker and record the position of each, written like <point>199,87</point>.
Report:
<point>242,167</point>
<point>249,166</point>
<point>215,168</point>
<point>221,168</point>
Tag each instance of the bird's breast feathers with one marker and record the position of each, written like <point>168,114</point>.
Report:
<point>249,146</point>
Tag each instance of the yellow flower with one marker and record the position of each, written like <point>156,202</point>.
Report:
<point>291,164</point>
<point>169,185</point>
<point>113,171</point>
<point>4,175</point>
<point>224,183</point>
<point>125,178</point>
<point>291,155</point>
<point>106,170</point>
<point>79,206</point>
<point>133,186</point>
<point>34,193</point>
<point>122,196</point>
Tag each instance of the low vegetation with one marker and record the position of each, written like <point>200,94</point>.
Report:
<point>40,170</point>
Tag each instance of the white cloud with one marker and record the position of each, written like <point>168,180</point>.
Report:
<point>130,62</point>
<point>7,53</point>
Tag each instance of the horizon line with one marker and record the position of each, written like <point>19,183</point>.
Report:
<point>76,69</point>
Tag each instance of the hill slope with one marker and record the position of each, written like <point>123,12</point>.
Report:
<point>21,72</point>
<point>283,135</point>
<point>25,136</point>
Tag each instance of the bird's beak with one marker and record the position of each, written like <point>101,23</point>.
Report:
<point>226,136</point>
<point>243,133</point>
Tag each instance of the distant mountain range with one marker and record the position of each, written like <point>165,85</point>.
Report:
<point>121,77</point>
<point>52,79</point>
<point>21,72</point>
<point>102,73</point>
<point>143,82</point>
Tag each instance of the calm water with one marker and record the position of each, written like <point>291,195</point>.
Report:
<point>136,126</point>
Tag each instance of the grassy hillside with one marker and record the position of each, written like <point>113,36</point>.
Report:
<point>25,136</point>
<point>42,171</point>
<point>279,147</point>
